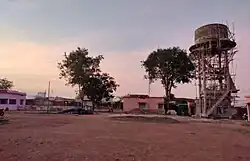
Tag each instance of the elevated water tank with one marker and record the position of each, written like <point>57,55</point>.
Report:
<point>210,32</point>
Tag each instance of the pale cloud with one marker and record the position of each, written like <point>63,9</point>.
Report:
<point>25,57</point>
<point>30,66</point>
<point>242,58</point>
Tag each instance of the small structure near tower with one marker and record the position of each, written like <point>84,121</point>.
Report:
<point>212,54</point>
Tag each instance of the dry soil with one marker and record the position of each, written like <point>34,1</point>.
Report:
<point>40,137</point>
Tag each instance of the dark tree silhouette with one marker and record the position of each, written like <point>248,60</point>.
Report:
<point>171,66</point>
<point>6,84</point>
<point>80,69</point>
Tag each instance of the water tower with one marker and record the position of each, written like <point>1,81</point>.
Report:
<point>212,54</point>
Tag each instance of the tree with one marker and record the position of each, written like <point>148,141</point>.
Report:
<point>6,84</point>
<point>77,67</point>
<point>80,69</point>
<point>100,86</point>
<point>171,66</point>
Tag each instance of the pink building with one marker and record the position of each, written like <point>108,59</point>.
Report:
<point>152,104</point>
<point>12,99</point>
<point>144,102</point>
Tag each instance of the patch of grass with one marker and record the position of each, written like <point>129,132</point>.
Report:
<point>4,121</point>
<point>246,124</point>
<point>243,131</point>
<point>146,119</point>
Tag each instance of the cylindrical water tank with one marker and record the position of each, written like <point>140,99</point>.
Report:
<point>211,32</point>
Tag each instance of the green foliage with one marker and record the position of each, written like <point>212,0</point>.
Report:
<point>246,124</point>
<point>171,66</point>
<point>100,86</point>
<point>243,131</point>
<point>4,121</point>
<point>6,84</point>
<point>78,68</point>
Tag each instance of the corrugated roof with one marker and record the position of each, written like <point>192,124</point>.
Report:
<point>12,92</point>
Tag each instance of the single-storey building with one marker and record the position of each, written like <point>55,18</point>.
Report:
<point>133,102</point>
<point>43,102</point>
<point>12,100</point>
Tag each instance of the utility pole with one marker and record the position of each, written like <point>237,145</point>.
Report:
<point>48,97</point>
<point>43,99</point>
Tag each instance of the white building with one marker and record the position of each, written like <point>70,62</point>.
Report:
<point>12,99</point>
<point>85,101</point>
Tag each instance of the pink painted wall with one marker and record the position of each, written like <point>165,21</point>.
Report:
<point>131,103</point>
<point>248,99</point>
<point>248,106</point>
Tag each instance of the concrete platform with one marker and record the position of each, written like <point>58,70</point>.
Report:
<point>178,118</point>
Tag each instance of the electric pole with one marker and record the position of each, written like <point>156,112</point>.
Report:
<point>48,97</point>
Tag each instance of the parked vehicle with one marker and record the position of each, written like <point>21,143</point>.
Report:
<point>245,116</point>
<point>79,110</point>
<point>1,112</point>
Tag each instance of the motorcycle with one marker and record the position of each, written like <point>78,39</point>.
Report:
<point>1,112</point>
<point>245,116</point>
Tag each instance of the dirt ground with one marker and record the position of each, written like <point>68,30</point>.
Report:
<point>40,137</point>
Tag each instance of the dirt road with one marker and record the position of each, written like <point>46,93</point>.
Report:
<point>39,137</point>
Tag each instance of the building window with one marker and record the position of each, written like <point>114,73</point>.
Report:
<point>3,101</point>
<point>12,101</point>
<point>21,102</point>
<point>142,105</point>
<point>160,106</point>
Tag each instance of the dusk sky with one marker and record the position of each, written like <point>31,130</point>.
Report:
<point>36,33</point>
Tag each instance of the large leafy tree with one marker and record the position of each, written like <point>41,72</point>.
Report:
<point>81,70</point>
<point>78,66</point>
<point>100,86</point>
<point>6,84</point>
<point>171,66</point>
